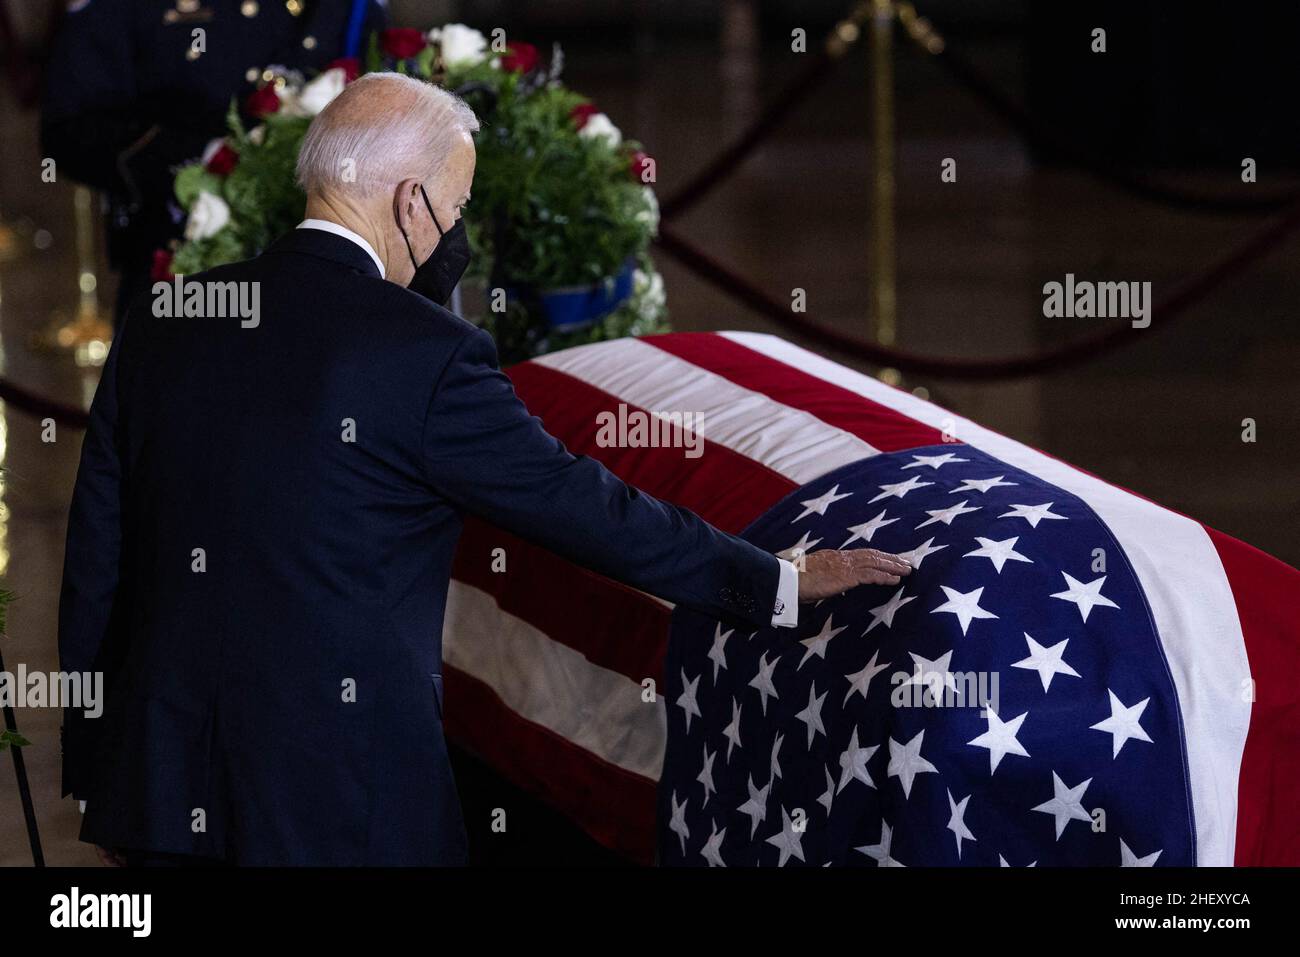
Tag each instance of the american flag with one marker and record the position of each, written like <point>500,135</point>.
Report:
<point>1118,683</point>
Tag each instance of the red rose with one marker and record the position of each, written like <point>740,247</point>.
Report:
<point>222,161</point>
<point>521,58</point>
<point>350,66</point>
<point>263,102</point>
<point>161,270</point>
<point>583,112</point>
<point>402,42</point>
<point>641,162</point>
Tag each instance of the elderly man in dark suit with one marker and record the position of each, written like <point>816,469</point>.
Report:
<point>264,519</point>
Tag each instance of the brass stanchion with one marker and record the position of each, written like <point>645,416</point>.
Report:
<point>883,250</point>
<point>10,246</point>
<point>89,331</point>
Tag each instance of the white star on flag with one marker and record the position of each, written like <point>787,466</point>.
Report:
<point>946,515</point>
<point>828,796</point>
<point>999,553</point>
<point>905,762</point>
<point>787,840</point>
<point>763,680</point>
<point>1123,722</point>
<point>887,611</point>
<point>880,852</point>
<point>712,850</point>
<point>899,489</point>
<point>1128,859</point>
<point>1085,596</point>
<point>980,485</point>
<point>812,715</point>
<point>853,763</point>
<point>1033,514</point>
<point>957,821</point>
<point>717,654</point>
<point>860,681</point>
<point>1046,661</point>
<point>706,775</point>
<point>933,675</point>
<point>816,644</point>
<point>933,461</point>
<point>1000,738</point>
<point>732,731</point>
<point>800,547</point>
<point>687,699</point>
<point>867,528</point>
<point>965,606</point>
<point>821,503</point>
<point>1065,804</point>
<point>756,806</point>
<point>918,554</point>
<point>678,823</point>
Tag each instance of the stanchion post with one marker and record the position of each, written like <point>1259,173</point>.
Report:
<point>88,333</point>
<point>883,250</point>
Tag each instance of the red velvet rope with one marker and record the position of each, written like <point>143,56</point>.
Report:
<point>1008,367</point>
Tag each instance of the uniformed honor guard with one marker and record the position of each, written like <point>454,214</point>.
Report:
<point>136,87</point>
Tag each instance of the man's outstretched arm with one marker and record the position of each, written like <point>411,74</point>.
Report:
<point>485,453</point>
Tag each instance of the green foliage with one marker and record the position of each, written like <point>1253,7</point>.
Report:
<point>561,209</point>
<point>6,596</point>
<point>13,737</point>
<point>550,208</point>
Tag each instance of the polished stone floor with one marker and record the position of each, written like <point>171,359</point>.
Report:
<point>1163,418</point>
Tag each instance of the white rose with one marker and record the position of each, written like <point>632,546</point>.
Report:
<point>317,94</point>
<point>208,216</point>
<point>598,124</point>
<point>257,135</point>
<point>461,45</point>
<point>211,149</point>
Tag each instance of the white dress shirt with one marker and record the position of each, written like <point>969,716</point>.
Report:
<point>787,597</point>
<point>337,230</point>
<point>786,612</point>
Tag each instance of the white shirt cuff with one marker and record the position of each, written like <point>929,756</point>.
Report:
<point>787,597</point>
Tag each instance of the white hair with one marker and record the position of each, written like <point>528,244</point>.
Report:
<point>383,128</point>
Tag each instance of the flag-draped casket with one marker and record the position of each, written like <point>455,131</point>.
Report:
<point>1071,675</point>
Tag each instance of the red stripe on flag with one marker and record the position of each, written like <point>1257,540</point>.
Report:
<point>723,487</point>
<point>879,426</point>
<point>614,806</point>
<point>610,624</point>
<point>1267,593</point>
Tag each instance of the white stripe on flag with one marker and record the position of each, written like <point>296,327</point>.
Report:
<point>789,441</point>
<point>1179,570</point>
<point>550,684</point>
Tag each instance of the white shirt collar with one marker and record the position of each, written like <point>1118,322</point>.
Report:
<point>337,230</point>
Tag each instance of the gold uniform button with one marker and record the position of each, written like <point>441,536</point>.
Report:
<point>248,8</point>
<point>191,54</point>
<point>187,6</point>
<point>251,75</point>
<point>309,43</point>
<point>293,6</point>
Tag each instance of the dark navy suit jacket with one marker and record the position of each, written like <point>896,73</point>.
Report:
<point>275,698</point>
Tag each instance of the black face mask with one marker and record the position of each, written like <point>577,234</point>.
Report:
<point>436,277</point>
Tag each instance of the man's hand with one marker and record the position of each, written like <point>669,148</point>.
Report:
<point>831,572</point>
